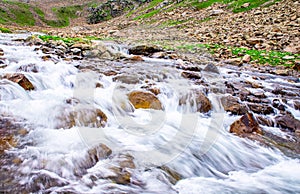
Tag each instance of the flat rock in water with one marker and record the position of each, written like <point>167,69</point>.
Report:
<point>20,79</point>
<point>247,124</point>
<point>147,100</point>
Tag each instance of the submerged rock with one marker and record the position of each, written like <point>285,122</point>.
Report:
<point>198,99</point>
<point>20,79</point>
<point>147,100</point>
<point>247,124</point>
<point>98,153</point>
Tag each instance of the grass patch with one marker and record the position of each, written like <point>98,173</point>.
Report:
<point>150,12</point>
<point>64,14</point>
<point>5,30</point>
<point>273,58</point>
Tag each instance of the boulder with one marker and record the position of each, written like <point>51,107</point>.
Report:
<point>191,75</point>
<point>144,50</point>
<point>147,100</point>
<point>20,79</point>
<point>198,99</point>
<point>288,121</point>
<point>247,124</point>
<point>211,68</point>
<point>232,104</point>
<point>99,152</point>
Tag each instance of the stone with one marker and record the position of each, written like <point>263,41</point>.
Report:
<point>76,51</point>
<point>245,5</point>
<point>288,121</point>
<point>127,79</point>
<point>283,72</point>
<point>287,57</point>
<point>28,68</point>
<point>296,104</point>
<point>144,50</point>
<point>266,121</point>
<point>254,41</point>
<point>20,79</point>
<point>81,116</point>
<point>191,75</point>
<point>247,124</point>
<point>99,152</point>
<point>232,104</point>
<point>216,12</point>
<point>261,108</point>
<point>292,49</point>
<point>211,68</point>
<point>81,46</point>
<point>159,55</point>
<point>121,176</point>
<point>136,58</point>
<point>198,99</point>
<point>246,58</point>
<point>1,52</point>
<point>146,100</point>
<point>234,61</point>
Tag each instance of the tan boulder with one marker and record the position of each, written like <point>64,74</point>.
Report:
<point>246,125</point>
<point>20,79</point>
<point>147,100</point>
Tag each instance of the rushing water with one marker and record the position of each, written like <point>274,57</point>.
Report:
<point>55,158</point>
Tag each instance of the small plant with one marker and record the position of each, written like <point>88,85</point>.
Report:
<point>5,30</point>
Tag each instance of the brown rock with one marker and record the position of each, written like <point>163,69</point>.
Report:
<point>292,49</point>
<point>136,58</point>
<point>147,100</point>
<point>254,41</point>
<point>297,104</point>
<point>1,52</point>
<point>98,153</point>
<point>247,124</point>
<point>121,176</point>
<point>246,58</point>
<point>7,142</point>
<point>288,121</point>
<point>266,121</point>
<point>261,108</point>
<point>144,50</point>
<point>28,68</point>
<point>203,104</point>
<point>190,75</point>
<point>77,115</point>
<point>233,105</point>
<point>21,80</point>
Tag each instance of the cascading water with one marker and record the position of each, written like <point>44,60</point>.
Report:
<point>173,150</point>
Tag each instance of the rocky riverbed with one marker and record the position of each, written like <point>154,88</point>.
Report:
<point>104,117</point>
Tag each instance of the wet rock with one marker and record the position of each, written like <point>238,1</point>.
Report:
<point>247,124</point>
<point>98,153</point>
<point>277,104</point>
<point>144,50</point>
<point>1,52</point>
<point>76,51</point>
<point>197,99</point>
<point>159,55</point>
<point>121,176</point>
<point>172,175</point>
<point>288,121</point>
<point>254,41</point>
<point>28,68</point>
<point>191,75</point>
<point>127,79</point>
<point>260,108</point>
<point>7,142</point>
<point>20,79</point>
<point>266,121</point>
<point>211,68</point>
<point>233,105</point>
<point>81,116</point>
<point>297,104</point>
<point>110,73</point>
<point>147,100</point>
<point>283,72</point>
<point>136,58</point>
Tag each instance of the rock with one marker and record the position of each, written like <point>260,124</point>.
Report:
<point>297,133</point>
<point>147,100</point>
<point>292,49</point>
<point>136,58</point>
<point>21,80</point>
<point>283,72</point>
<point>121,176</point>
<point>28,68</point>
<point>99,152</point>
<point>76,51</point>
<point>260,108</point>
<point>197,99</point>
<point>254,41</point>
<point>144,50</point>
<point>246,58</point>
<point>234,61</point>
<point>247,124</point>
<point>159,55</point>
<point>81,46</point>
<point>191,75</point>
<point>211,68</point>
<point>245,5</point>
<point>233,105</point>
<point>266,121</point>
<point>216,12</point>
<point>172,175</point>
<point>127,79</point>
<point>288,121</point>
<point>287,57</point>
<point>297,104</point>
<point>1,52</point>
<point>81,116</point>
<point>7,142</point>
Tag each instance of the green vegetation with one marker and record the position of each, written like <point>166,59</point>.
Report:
<point>150,7</point>
<point>5,30</point>
<point>16,12</point>
<point>259,56</point>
